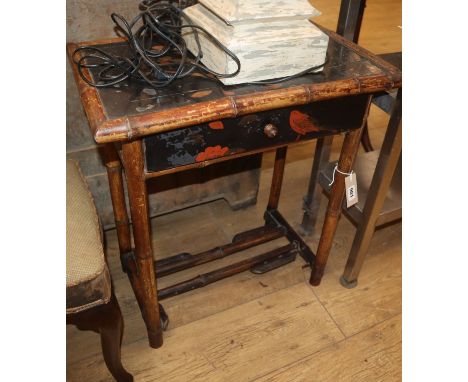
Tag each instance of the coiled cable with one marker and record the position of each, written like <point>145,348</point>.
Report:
<point>157,53</point>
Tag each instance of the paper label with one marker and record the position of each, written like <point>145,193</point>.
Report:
<point>351,190</point>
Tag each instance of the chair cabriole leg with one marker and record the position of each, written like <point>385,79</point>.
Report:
<point>111,330</point>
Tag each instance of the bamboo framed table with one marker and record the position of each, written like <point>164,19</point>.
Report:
<point>197,122</point>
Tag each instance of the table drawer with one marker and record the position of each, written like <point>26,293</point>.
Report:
<point>253,132</point>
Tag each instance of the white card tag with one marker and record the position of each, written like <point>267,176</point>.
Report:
<point>351,190</point>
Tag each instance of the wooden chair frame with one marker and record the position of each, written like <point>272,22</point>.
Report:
<point>105,319</point>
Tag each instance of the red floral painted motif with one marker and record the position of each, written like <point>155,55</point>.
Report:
<point>301,123</point>
<point>216,125</point>
<point>212,152</point>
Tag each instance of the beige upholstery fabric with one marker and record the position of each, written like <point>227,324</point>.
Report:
<point>88,280</point>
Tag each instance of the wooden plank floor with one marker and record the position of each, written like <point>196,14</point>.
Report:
<point>272,327</point>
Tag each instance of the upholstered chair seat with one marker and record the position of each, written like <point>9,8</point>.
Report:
<point>88,279</point>
<point>91,304</point>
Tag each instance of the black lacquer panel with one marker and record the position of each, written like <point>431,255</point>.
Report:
<point>134,98</point>
<point>231,136</point>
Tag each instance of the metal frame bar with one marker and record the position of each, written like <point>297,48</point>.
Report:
<point>350,19</point>
<point>390,154</point>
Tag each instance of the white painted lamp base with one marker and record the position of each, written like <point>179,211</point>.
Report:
<point>267,49</point>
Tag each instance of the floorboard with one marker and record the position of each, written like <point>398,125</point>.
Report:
<point>371,355</point>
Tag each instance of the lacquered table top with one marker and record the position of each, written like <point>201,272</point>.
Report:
<point>133,109</point>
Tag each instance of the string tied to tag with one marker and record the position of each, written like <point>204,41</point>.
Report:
<point>336,169</point>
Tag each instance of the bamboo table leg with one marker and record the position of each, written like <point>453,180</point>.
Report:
<point>349,26</point>
<point>141,272</point>
<point>277,179</point>
<point>348,153</point>
<point>384,170</point>
<point>119,206</point>
<point>312,199</point>
<point>345,164</point>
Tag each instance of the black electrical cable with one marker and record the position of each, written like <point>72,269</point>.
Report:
<point>159,23</point>
<point>154,35</point>
<point>278,80</point>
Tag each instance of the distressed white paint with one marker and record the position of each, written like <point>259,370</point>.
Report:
<point>274,48</point>
<point>247,11</point>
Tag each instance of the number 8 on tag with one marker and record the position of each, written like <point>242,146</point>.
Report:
<point>351,190</point>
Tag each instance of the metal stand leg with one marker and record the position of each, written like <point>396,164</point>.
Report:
<point>349,26</point>
<point>350,19</point>
<point>141,267</point>
<point>388,161</point>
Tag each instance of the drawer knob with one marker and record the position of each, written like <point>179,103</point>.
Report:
<point>270,130</point>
